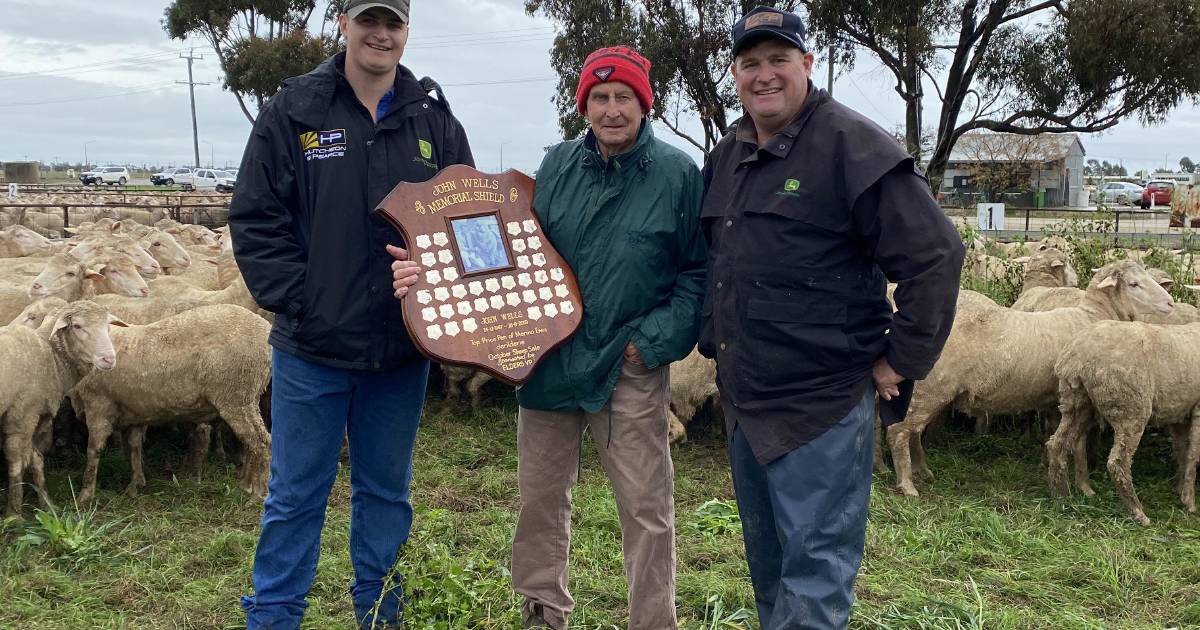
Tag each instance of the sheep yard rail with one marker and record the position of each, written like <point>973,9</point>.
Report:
<point>206,214</point>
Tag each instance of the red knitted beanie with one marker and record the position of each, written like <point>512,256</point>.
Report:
<point>619,63</point>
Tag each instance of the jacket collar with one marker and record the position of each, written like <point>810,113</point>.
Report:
<point>313,93</point>
<point>639,155</point>
<point>781,143</point>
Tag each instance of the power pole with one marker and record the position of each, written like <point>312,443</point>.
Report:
<point>829,87</point>
<point>191,56</point>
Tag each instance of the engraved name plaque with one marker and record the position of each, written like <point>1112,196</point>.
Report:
<point>493,293</point>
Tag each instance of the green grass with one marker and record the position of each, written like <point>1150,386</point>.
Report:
<point>984,548</point>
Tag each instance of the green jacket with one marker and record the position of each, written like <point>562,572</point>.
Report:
<point>629,228</point>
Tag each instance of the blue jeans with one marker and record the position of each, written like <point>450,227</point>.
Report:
<point>804,521</point>
<point>313,407</point>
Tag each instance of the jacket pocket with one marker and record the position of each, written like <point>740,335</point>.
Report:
<point>788,343</point>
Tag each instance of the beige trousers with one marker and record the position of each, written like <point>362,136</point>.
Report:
<point>637,457</point>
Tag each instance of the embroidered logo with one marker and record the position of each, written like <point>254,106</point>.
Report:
<point>764,19</point>
<point>322,145</point>
<point>425,148</point>
<point>791,188</point>
<point>604,73</point>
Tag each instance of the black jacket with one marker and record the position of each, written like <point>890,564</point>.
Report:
<point>804,233</point>
<point>304,234</point>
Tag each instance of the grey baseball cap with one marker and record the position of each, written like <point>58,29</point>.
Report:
<point>399,7</point>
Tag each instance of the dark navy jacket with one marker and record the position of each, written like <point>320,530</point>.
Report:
<point>304,234</point>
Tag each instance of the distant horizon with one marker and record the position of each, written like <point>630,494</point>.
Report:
<point>112,93</point>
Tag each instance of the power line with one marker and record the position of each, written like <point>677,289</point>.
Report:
<point>869,101</point>
<point>481,42</point>
<point>501,82</point>
<point>136,60</point>
<point>453,35</point>
<point>149,87</point>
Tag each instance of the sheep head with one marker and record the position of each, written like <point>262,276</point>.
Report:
<point>80,329</point>
<point>35,314</point>
<point>1129,291</point>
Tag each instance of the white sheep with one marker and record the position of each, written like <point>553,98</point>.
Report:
<point>37,369</point>
<point>67,277</point>
<point>19,241</point>
<point>693,385</point>
<point>170,255</point>
<point>37,312</point>
<point>1000,361</point>
<point>1049,282</point>
<point>92,247</point>
<point>1129,375</point>
<point>192,368</point>
<point>457,376</point>
<point>182,298</point>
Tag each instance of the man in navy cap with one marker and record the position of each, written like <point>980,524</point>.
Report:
<point>810,209</point>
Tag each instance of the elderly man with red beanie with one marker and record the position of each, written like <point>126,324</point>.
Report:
<point>623,208</point>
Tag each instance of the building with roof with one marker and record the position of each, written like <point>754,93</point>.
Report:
<point>1043,170</point>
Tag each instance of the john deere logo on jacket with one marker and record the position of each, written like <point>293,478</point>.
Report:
<point>426,157</point>
<point>791,188</point>
<point>321,145</point>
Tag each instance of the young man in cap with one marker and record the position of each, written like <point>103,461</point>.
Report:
<point>810,210</point>
<point>325,150</point>
<point>623,209</point>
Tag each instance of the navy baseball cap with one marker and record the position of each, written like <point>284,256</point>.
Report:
<point>764,22</point>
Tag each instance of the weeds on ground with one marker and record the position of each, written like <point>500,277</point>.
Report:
<point>71,534</point>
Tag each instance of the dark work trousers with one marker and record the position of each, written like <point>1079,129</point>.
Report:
<point>804,521</point>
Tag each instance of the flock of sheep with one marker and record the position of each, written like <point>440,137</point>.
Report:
<point>42,212</point>
<point>1120,354</point>
<point>136,325</point>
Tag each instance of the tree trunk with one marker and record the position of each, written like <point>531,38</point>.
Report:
<point>912,118</point>
<point>938,161</point>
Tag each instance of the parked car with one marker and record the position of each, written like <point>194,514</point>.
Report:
<point>172,176</point>
<point>1157,192</point>
<point>1121,193</point>
<point>226,181</point>
<point>209,179</point>
<point>105,175</point>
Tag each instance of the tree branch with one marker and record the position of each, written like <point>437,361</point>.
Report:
<point>932,79</point>
<point>1041,6</point>
<point>683,135</point>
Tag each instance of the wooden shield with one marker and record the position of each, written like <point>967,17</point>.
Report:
<point>493,292</point>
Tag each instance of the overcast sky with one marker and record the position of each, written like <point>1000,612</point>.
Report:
<point>104,75</point>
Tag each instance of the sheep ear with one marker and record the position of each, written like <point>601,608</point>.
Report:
<point>1058,263</point>
<point>113,320</point>
<point>1166,283</point>
<point>1194,287</point>
<point>59,324</point>
<point>1110,281</point>
<point>212,260</point>
<point>115,226</point>
<point>94,274</point>
<point>1022,260</point>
